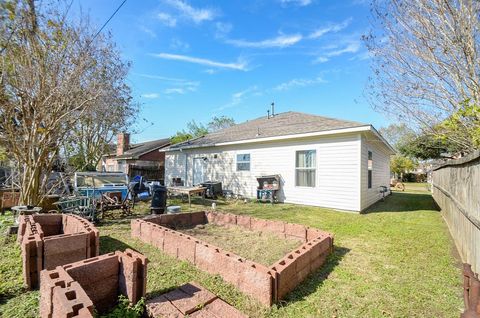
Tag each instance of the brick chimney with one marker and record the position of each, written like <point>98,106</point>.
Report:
<point>123,143</point>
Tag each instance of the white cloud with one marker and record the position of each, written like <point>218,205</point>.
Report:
<point>329,29</point>
<point>163,78</point>
<point>238,97</point>
<point>177,44</point>
<point>222,29</point>
<point>352,47</point>
<point>167,19</point>
<point>197,15</point>
<point>301,3</point>
<point>148,31</point>
<point>299,82</point>
<point>279,41</point>
<point>151,95</point>
<point>239,65</point>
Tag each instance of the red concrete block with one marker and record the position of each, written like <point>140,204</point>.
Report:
<point>104,295</point>
<point>229,265</point>
<point>51,224</point>
<point>48,280</point>
<point>157,236</point>
<point>68,301</point>
<point>94,270</point>
<point>211,216</point>
<point>141,279</point>
<point>257,281</point>
<point>205,257</point>
<point>186,248</point>
<point>258,224</point>
<point>296,231</point>
<point>219,308</point>
<point>276,227</point>
<point>198,218</point>
<point>225,219</point>
<point>152,218</point>
<point>244,221</point>
<point>135,228</point>
<point>318,262</point>
<point>170,243</point>
<point>286,278</point>
<point>146,232</point>
<point>162,307</point>
<point>189,297</point>
<point>32,260</point>
<point>65,249</point>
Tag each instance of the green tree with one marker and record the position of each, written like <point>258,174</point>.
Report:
<point>426,146</point>
<point>196,130</point>
<point>400,164</point>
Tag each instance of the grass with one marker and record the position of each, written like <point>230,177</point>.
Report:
<point>264,248</point>
<point>397,260</point>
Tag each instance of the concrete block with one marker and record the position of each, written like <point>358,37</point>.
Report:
<point>219,308</point>
<point>286,278</point>
<point>161,307</point>
<point>157,236</point>
<point>296,231</point>
<point>146,232</point>
<point>170,243</point>
<point>244,221</point>
<point>94,270</point>
<point>135,228</point>
<point>276,227</point>
<point>205,257</point>
<point>68,301</point>
<point>186,248</point>
<point>257,281</point>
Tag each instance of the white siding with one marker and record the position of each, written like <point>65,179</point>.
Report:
<point>380,174</point>
<point>337,177</point>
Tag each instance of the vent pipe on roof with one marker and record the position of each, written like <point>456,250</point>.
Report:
<point>268,114</point>
<point>273,109</point>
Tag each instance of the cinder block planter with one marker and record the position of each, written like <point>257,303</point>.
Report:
<point>50,240</point>
<point>76,289</point>
<point>266,284</point>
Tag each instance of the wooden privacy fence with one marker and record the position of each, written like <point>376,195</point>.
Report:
<point>456,189</point>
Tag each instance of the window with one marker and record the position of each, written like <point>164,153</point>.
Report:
<point>370,169</point>
<point>305,168</point>
<point>243,162</point>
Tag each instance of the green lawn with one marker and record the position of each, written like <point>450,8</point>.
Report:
<point>397,260</point>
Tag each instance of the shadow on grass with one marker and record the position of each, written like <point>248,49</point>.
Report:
<point>109,244</point>
<point>404,202</point>
<point>315,280</point>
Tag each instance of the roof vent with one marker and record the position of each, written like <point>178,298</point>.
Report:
<point>258,132</point>
<point>273,109</point>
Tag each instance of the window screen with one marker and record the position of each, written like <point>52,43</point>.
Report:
<point>370,169</point>
<point>243,162</point>
<point>305,168</point>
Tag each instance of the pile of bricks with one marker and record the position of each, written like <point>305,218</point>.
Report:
<point>78,288</point>
<point>191,300</point>
<point>50,240</point>
<point>266,284</point>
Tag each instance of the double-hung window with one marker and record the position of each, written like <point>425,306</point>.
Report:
<point>370,169</point>
<point>243,162</point>
<point>305,168</point>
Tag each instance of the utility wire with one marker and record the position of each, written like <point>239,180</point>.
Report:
<point>106,22</point>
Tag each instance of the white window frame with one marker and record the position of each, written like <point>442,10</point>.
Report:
<point>314,168</point>
<point>369,170</point>
<point>243,161</point>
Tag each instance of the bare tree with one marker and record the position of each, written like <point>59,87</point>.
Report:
<point>426,65</point>
<point>52,73</point>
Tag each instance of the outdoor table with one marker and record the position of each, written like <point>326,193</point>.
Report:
<point>24,210</point>
<point>188,191</point>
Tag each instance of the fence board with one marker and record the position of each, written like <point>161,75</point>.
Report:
<point>456,189</point>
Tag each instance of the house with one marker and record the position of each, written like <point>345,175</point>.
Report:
<point>322,161</point>
<point>137,159</point>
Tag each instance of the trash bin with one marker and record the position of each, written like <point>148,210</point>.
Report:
<point>159,199</point>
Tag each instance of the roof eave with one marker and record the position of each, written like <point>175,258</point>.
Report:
<point>274,138</point>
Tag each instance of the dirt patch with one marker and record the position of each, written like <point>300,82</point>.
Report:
<point>262,247</point>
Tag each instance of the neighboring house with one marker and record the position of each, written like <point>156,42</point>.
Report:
<point>322,161</point>
<point>141,158</point>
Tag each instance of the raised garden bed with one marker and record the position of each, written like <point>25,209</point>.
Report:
<point>50,240</point>
<point>268,284</point>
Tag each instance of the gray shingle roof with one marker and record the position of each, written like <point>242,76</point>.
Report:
<point>283,124</point>
<point>136,150</point>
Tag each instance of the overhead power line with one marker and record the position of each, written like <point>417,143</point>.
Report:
<point>106,22</point>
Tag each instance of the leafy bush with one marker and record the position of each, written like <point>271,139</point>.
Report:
<point>125,309</point>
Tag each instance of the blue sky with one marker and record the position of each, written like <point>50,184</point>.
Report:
<point>198,59</point>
